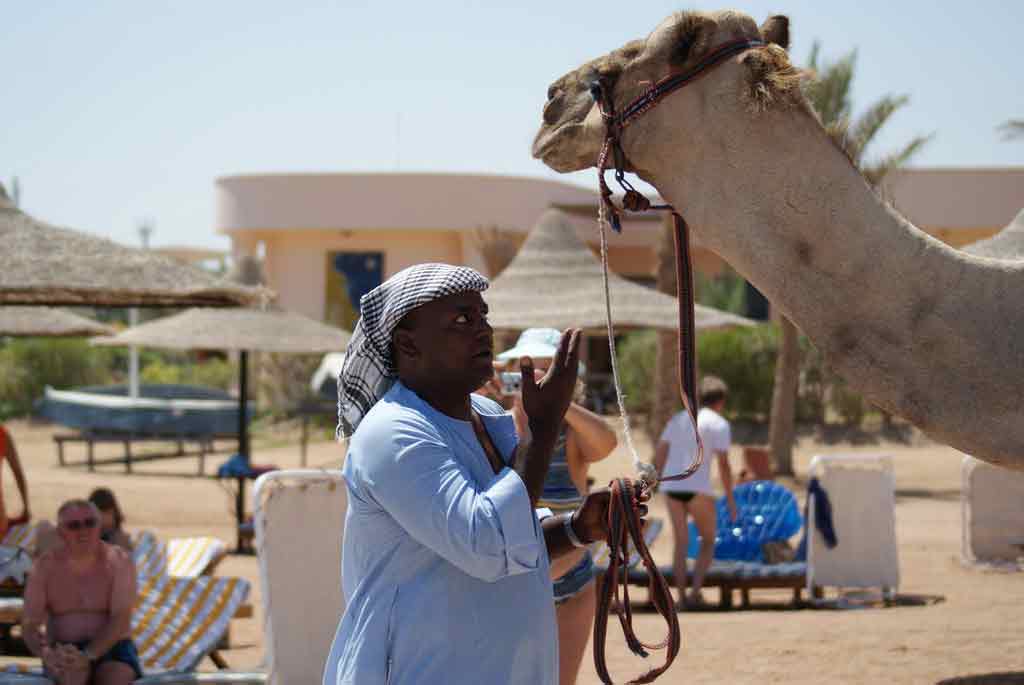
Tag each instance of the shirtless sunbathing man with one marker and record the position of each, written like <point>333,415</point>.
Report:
<point>78,604</point>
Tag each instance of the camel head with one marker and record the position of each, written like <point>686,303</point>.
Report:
<point>572,132</point>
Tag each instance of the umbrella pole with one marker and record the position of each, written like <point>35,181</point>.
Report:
<point>243,401</point>
<point>243,443</point>
<point>133,358</point>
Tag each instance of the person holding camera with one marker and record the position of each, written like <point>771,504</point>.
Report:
<point>584,438</point>
<point>445,562</point>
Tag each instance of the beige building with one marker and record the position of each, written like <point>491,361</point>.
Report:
<point>324,238</point>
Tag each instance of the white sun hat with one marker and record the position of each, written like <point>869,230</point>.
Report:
<point>540,343</point>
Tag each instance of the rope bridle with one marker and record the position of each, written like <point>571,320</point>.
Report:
<point>624,522</point>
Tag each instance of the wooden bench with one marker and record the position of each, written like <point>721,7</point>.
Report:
<point>204,445</point>
<point>743,576</point>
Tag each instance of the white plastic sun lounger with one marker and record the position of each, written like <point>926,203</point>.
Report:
<point>861,489</point>
<point>992,515</point>
<point>300,519</point>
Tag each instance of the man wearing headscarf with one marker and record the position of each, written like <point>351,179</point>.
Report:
<point>445,563</point>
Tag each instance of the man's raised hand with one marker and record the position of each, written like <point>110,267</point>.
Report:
<point>546,401</point>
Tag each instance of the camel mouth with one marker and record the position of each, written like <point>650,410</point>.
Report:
<point>550,143</point>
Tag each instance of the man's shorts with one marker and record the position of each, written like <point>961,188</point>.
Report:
<point>123,652</point>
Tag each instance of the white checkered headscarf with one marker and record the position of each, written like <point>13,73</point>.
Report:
<point>368,371</point>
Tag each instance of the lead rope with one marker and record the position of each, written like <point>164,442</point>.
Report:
<point>623,520</point>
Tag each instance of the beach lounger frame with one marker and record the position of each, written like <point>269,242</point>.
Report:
<point>862,491</point>
<point>299,515</point>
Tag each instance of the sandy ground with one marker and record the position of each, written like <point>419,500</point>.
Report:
<point>975,633</point>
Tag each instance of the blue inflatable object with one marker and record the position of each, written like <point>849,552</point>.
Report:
<point>237,466</point>
<point>766,511</point>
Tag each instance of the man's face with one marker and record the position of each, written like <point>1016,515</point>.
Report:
<point>452,341</point>
<point>79,528</point>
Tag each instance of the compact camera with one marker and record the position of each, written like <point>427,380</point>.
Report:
<point>511,383</point>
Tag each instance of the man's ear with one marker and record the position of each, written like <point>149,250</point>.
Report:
<point>776,30</point>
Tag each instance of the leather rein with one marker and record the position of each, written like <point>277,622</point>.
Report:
<point>624,522</point>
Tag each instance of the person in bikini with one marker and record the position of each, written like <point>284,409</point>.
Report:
<point>9,454</point>
<point>78,604</point>
<point>693,496</point>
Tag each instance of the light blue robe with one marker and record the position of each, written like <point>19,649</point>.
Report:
<point>444,567</point>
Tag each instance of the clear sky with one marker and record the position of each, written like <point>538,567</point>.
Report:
<point>114,112</point>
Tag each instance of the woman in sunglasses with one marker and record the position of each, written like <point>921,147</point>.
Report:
<point>78,604</point>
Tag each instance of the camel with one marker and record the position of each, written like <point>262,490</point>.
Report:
<point>920,329</point>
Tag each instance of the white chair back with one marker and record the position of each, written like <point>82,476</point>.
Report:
<point>992,514</point>
<point>861,490</point>
<point>300,519</point>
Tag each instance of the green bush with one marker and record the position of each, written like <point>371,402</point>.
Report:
<point>637,353</point>
<point>745,359</point>
<point>28,366</point>
<point>214,373</point>
<point>848,404</point>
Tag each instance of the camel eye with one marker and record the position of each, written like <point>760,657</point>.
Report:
<point>552,91</point>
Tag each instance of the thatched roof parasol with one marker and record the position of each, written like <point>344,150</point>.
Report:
<point>46,265</point>
<point>555,281</point>
<point>234,329</point>
<point>47,322</point>
<point>1007,244</point>
<point>242,330</point>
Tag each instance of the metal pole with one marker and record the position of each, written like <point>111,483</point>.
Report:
<point>133,357</point>
<point>243,401</point>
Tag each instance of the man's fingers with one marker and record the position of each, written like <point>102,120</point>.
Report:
<point>573,359</point>
<point>526,369</point>
<point>642,510</point>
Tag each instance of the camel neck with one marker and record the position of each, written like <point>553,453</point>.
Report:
<point>905,319</point>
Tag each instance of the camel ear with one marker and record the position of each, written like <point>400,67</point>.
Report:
<point>776,30</point>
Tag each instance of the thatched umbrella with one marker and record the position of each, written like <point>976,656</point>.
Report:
<point>46,265</point>
<point>47,322</point>
<point>241,330</point>
<point>1007,244</point>
<point>555,281</point>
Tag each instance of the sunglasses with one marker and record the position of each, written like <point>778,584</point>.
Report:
<point>79,524</point>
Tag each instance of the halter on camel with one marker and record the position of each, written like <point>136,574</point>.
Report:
<point>623,521</point>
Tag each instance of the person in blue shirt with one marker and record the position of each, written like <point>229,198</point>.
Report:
<point>445,563</point>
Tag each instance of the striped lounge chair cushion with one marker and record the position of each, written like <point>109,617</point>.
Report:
<point>177,621</point>
<point>21,535</point>
<point>180,557</point>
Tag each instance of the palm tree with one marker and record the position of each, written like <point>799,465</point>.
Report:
<point>829,94</point>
